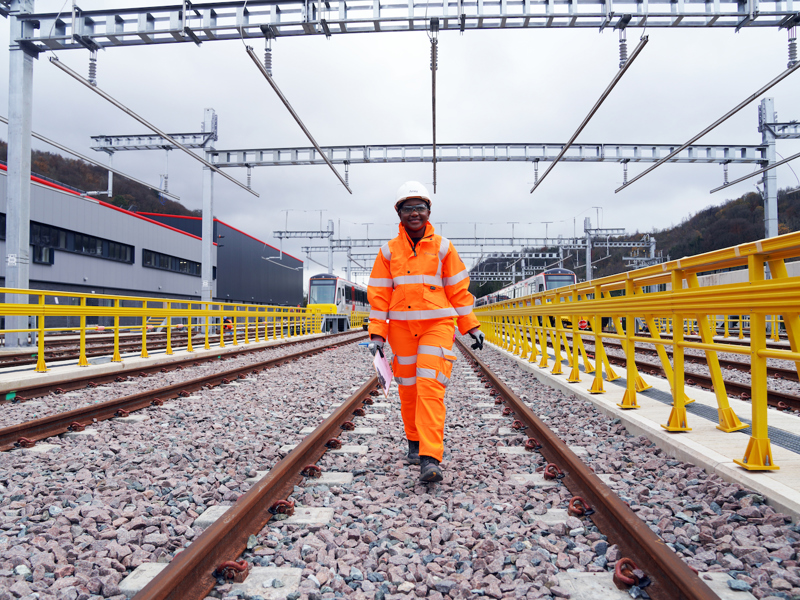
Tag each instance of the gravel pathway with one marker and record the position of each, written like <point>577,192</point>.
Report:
<point>479,533</point>
<point>75,521</point>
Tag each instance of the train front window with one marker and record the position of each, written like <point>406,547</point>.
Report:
<point>557,281</point>
<point>322,291</point>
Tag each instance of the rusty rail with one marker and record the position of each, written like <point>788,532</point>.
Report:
<point>190,574</point>
<point>62,422</point>
<point>671,578</point>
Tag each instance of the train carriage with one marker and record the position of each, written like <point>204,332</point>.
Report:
<point>343,303</point>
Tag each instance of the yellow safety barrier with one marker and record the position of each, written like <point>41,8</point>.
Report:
<point>675,317</point>
<point>143,315</point>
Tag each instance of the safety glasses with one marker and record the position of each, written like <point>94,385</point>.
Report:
<point>419,209</point>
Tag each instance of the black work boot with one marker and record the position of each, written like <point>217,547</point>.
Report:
<point>413,452</point>
<point>429,470</point>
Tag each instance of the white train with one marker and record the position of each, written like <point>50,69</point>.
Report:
<point>546,280</point>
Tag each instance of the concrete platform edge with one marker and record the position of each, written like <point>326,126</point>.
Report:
<point>16,380</point>
<point>672,444</point>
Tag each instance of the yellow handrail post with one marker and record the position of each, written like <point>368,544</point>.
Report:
<point>144,353</point>
<point>246,326</point>
<point>597,323</point>
<point>41,366</point>
<point>116,357</point>
<point>728,421</point>
<point>543,342</point>
<point>632,374</point>
<point>727,332</point>
<point>222,327</point>
<point>791,322</point>
<point>169,327</point>
<point>662,355</point>
<point>207,345</point>
<point>758,455</point>
<point>534,350</point>
<point>677,417</point>
<point>741,327</point>
<point>235,327</point>
<point>575,373</point>
<point>258,337</point>
<point>189,330</point>
<point>82,362</point>
<point>588,367</point>
<point>775,327</point>
<point>555,335</point>
<point>526,347</point>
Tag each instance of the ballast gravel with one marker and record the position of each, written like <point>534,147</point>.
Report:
<point>20,412</point>
<point>75,521</point>
<point>479,534</point>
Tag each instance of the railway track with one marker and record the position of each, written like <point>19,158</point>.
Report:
<point>23,393</point>
<point>191,575</point>
<point>26,434</point>
<point>71,351</point>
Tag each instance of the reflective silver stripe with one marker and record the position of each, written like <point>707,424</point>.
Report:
<point>432,374</point>
<point>387,253</point>
<point>406,360</point>
<point>379,282</point>
<point>455,278</point>
<point>426,279</point>
<point>443,248</point>
<point>463,310</point>
<point>378,314</point>
<point>406,380</point>
<point>436,351</point>
<point>421,315</point>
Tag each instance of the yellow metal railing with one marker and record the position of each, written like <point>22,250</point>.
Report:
<point>252,321</point>
<point>522,324</point>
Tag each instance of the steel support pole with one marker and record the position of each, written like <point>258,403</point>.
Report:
<point>18,211</point>
<point>349,263</point>
<point>330,247</point>
<point>110,175</point>
<point>587,225</point>
<point>770,178</point>
<point>207,231</point>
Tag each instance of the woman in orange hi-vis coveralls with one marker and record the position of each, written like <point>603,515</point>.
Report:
<point>417,286</point>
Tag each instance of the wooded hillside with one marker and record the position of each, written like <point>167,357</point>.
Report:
<point>85,177</point>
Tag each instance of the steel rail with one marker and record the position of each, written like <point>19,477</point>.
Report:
<point>54,60</point>
<point>96,163</point>
<point>714,125</point>
<point>190,574</point>
<point>672,579</point>
<point>595,108</point>
<point>296,117</point>
<point>56,424</point>
<point>20,394</point>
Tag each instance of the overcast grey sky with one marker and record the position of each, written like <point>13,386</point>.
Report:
<point>494,86</point>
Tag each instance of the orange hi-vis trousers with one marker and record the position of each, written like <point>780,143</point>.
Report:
<point>422,367</point>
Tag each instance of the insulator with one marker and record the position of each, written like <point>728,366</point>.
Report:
<point>93,68</point>
<point>624,173</point>
<point>623,53</point>
<point>347,172</point>
<point>536,172</point>
<point>725,173</point>
<point>434,55</point>
<point>792,48</point>
<point>268,60</point>
<point>249,175</point>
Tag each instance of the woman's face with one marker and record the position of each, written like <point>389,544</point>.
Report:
<point>414,214</point>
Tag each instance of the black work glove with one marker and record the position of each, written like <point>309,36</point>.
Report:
<point>376,346</point>
<point>478,337</point>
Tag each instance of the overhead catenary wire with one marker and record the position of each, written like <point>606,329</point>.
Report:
<point>55,61</point>
<point>603,96</point>
<point>96,163</point>
<point>283,99</point>
<point>715,124</point>
<point>754,173</point>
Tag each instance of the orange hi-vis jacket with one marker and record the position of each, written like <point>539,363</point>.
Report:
<point>418,284</point>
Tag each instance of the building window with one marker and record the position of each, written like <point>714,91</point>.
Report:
<point>55,238</point>
<point>2,226</point>
<point>43,255</point>
<point>165,262</point>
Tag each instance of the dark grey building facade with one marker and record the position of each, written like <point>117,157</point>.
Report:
<point>248,269</point>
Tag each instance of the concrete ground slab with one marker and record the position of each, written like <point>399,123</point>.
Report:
<point>491,416</point>
<point>309,515</point>
<point>512,450</point>
<point>381,405</point>
<point>535,478</point>
<point>262,581</point>
<point>553,516</point>
<point>209,516</point>
<point>140,577</point>
<point>579,450</point>
<point>375,417</point>
<point>718,582</point>
<point>132,419</point>
<point>705,445</point>
<point>40,449</point>
<point>591,586</point>
<point>506,431</point>
<point>80,434</point>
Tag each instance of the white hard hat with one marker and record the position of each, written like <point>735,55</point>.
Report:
<point>411,189</point>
